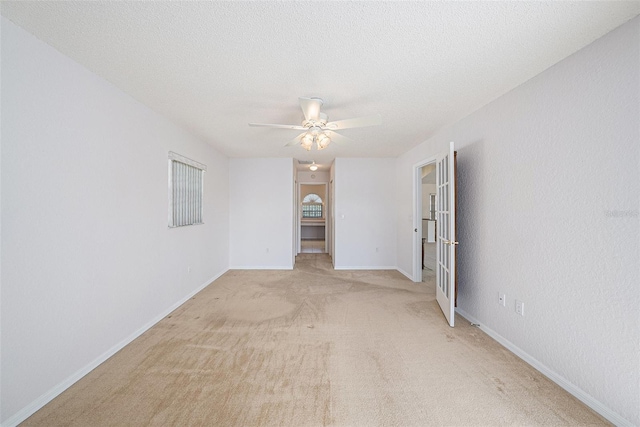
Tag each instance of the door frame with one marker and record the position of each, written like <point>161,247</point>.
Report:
<point>417,216</point>
<point>299,213</point>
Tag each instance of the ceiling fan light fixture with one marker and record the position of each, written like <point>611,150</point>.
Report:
<point>307,142</point>
<point>323,141</point>
<point>316,123</point>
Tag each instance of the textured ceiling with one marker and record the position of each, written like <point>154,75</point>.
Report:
<point>213,67</point>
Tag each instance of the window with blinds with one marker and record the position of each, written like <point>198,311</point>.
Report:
<point>186,178</point>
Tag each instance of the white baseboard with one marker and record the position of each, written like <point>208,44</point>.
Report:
<point>254,267</point>
<point>47,397</point>
<point>367,267</point>
<point>576,391</point>
<point>407,275</point>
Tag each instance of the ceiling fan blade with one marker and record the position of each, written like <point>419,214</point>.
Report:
<point>336,137</point>
<point>311,108</point>
<point>358,122</point>
<point>295,127</point>
<point>295,140</point>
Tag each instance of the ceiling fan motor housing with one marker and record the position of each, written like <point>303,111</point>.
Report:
<point>322,121</point>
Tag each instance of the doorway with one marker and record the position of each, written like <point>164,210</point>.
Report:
<point>313,216</point>
<point>428,222</point>
<point>444,228</point>
<point>425,224</point>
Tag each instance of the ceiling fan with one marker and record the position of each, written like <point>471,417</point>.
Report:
<point>316,127</point>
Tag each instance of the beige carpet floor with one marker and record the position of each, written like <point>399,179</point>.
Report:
<point>313,347</point>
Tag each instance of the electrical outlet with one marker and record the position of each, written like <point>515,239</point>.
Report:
<point>502,299</point>
<point>188,269</point>
<point>520,308</point>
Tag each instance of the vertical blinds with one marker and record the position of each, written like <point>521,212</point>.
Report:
<point>185,191</point>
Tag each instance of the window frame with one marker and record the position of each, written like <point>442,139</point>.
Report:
<point>312,206</point>
<point>192,195</point>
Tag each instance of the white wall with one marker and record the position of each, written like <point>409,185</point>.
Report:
<point>88,261</point>
<point>365,234</point>
<point>317,176</point>
<point>427,190</point>
<point>319,189</point>
<point>261,213</point>
<point>548,193</point>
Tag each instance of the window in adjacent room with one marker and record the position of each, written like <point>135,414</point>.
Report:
<point>312,206</point>
<point>186,178</point>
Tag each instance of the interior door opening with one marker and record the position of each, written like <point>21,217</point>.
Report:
<point>428,222</point>
<point>313,216</point>
<point>435,218</point>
